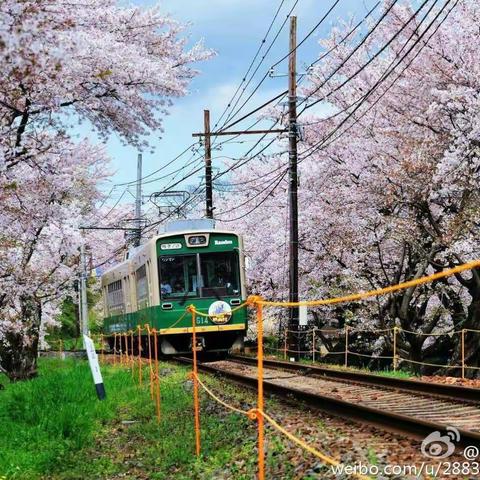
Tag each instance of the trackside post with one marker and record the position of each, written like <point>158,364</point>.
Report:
<point>94,367</point>
<point>157,375</point>
<point>139,346</point>
<point>260,419</point>
<point>196,405</point>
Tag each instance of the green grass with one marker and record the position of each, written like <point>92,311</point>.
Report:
<point>45,419</point>
<point>54,427</point>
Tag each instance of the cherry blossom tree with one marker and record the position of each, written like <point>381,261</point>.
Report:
<point>117,68</point>
<point>389,181</point>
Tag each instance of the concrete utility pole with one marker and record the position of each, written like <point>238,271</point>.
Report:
<point>138,203</point>
<point>293,185</point>
<point>208,166</point>
<point>83,292</point>
<point>292,130</point>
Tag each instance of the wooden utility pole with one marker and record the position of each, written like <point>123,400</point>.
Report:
<point>208,166</point>
<point>293,323</point>
<point>293,187</point>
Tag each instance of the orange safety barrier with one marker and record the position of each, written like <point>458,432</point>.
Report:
<point>139,354</point>
<point>261,427</point>
<point>114,348</point>
<point>196,406</point>
<point>396,358</point>
<point>259,413</point>
<point>150,360</point>
<point>255,413</point>
<point>125,355</point>
<point>132,356</point>
<point>157,376</point>
<point>380,291</point>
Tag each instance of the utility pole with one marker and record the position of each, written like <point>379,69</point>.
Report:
<point>83,292</point>
<point>138,203</point>
<point>208,166</point>
<point>293,323</point>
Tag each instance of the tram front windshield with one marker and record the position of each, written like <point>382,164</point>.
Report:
<point>202,275</point>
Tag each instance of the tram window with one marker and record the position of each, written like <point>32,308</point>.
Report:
<point>142,287</point>
<point>220,274</point>
<point>115,300</point>
<point>178,276</point>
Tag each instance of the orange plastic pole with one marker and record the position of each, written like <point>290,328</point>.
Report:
<point>157,376</point>
<point>114,348</point>
<point>313,345</point>
<point>132,356</point>
<point>346,345</point>
<point>150,361</point>
<point>196,405</point>
<point>394,349</point>
<point>120,346</point>
<point>126,348</point>
<point>261,446</point>
<point>139,354</point>
<point>463,353</point>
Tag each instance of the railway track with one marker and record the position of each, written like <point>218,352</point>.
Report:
<point>396,405</point>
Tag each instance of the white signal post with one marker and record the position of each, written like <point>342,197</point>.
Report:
<point>94,367</point>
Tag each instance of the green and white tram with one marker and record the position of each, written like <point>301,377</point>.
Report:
<point>192,263</point>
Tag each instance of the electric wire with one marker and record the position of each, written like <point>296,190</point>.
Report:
<point>312,30</point>
<point>357,120</point>
<point>388,43</point>
<point>262,43</point>
<point>160,169</point>
<point>312,149</point>
<point>223,128</point>
<point>233,114</point>
<point>258,205</point>
<point>243,161</point>
<point>250,199</point>
<point>365,65</point>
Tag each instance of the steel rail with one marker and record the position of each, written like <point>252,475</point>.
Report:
<point>448,392</point>
<point>415,428</point>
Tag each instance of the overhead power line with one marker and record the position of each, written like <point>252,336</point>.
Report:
<point>311,150</point>
<point>159,169</point>
<point>233,114</point>
<point>244,79</point>
<point>349,56</point>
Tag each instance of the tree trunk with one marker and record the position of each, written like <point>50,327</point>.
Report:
<point>19,349</point>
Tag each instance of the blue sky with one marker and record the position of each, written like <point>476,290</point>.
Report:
<point>234,29</point>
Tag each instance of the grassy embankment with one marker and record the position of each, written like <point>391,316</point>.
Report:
<point>53,427</point>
